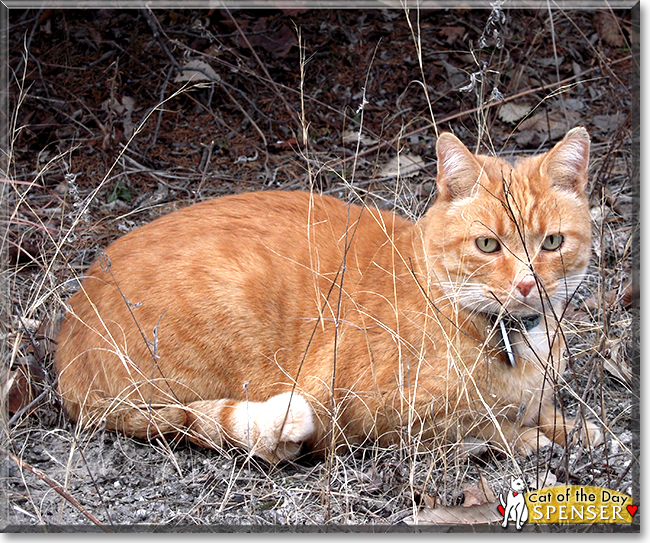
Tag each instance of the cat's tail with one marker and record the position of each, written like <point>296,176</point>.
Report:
<point>273,430</point>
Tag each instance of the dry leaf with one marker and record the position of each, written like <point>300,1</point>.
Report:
<point>24,253</point>
<point>550,61</point>
<point>546,479</point>
<point>558,123</point>
<point>278,43</point>
<point>28,325</point>
<point>608,29</point>
<point>22,385</point>
<point>128,103</point>
<point>486,513</point>
<point>511,113</point>
<point>631,295</point>
<point>535,129</point>
<point>453,33</point>
<point>121,109</point>
<point>197,70</point>
<point>608,123</point>
<point>574,104</point>
<point>478,494</point>
<point>352,136</point>
<point>622,372</point>
<point>403,165</point>
<point>429,501</point>
<point>19,391</point>
<point>616,363</point>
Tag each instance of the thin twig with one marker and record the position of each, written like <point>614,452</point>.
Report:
<point>57,488</point>
<point>28,42</point>
<point>465,113</point>
<point>287,106</point>
<point>155,29</point>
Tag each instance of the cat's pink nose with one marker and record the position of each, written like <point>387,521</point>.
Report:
<point>526,285</point>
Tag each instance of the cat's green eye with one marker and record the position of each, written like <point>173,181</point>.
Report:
<point>488,245</point>
<point>553,242</point>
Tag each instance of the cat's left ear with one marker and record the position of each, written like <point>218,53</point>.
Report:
<point>567,163</point>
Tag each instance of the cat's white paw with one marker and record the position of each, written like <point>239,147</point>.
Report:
<point>531,440</point>
<point>589,433</point>
<point>275,429</point>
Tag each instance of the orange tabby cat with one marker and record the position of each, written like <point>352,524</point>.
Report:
<point>274,320</point>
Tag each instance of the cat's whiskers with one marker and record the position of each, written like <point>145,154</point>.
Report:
<point>469,296</point>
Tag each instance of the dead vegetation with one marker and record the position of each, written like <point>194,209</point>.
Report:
<point>120,116</point>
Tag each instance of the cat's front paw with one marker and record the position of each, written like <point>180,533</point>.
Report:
<point>586,432</point>
<point>576,432</point>
<point>530,441</point>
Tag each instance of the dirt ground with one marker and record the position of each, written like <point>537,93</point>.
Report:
<point>120,116</point>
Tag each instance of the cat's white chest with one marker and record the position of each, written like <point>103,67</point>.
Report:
<point>533,345</point>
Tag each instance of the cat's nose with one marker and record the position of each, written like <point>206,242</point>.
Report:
<point>526,285</point>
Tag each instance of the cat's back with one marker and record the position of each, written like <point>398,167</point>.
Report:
<point>269,218</point>
<point>240,244</point>
<point>244,217</point>
<point>218,283</point>
<point>234,246</point>
<point>237,249</point>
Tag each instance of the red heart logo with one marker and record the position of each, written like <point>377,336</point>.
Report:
<point>631,509</point>
<point>514,493</point>
<point>503,511</point>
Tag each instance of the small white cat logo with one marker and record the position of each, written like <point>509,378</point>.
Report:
<point>513,507</point>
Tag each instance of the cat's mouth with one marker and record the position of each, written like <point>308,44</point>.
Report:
<point>507,323</point>
<point>525,322</point>
<point>516,322</point>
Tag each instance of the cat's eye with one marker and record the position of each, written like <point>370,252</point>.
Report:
<point>553,242</point>
<point>488,245</point>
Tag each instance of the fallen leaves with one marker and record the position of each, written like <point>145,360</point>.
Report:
<point>511,113</point>
<point>609,30</point>
<point>609,123</point>
<point>118,110</point>
<point>197,70</point>
<point>486,513</point>
<point>354,136</point>
<point>554,124</point>
<point>453,33</point>
<point>402,165</point>
<point>479,493</point>
<point>278,43</point>
<point>479,507</point>
<point>616,364</point>
<point>22,384</point>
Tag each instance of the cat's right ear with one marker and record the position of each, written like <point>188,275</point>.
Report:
<point>458,170</point>
<point>567,163</point>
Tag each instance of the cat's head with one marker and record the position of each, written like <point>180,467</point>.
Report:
<point>510,237</point>
<point>517,483</point>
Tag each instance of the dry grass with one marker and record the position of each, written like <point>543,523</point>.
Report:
<point>61,205</point>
